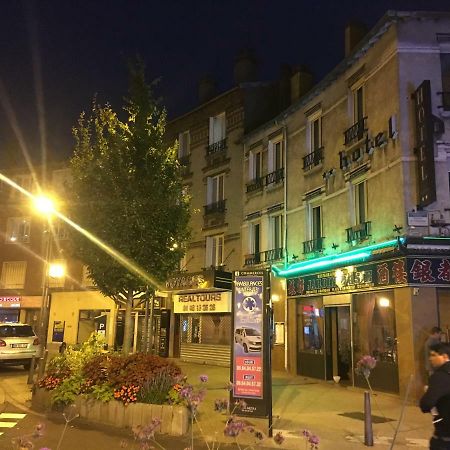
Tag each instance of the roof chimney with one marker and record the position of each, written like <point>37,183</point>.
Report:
<point>354,32</point>
<point>245,67</point>
<point>301,82</point>
<point>206,89</point>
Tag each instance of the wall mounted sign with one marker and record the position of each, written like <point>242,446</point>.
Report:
<point>10,302</point>
<point>435,271</point>
<point>202,302</point>
<point>200,280</point>
<point>58,331</point>
<point>389,273</point>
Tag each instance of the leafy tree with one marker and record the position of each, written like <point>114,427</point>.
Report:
<point>127,191</point>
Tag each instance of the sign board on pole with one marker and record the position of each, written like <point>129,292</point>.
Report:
<point>251,343</point>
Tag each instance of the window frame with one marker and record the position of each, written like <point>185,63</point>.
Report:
<point>276,225</point>
<point>215,189</point>
<point>217,132</point>
<point>215,249</point>
<point>184,144</point>
<point>14,233</point>
<point>22,266</point>
<point>358,188</point>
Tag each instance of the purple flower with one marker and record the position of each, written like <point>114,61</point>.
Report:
<point>203,378</point>
<point>233,427</point>
<point>278,438</point>
<point>313,440</point>
<point>306,433</point>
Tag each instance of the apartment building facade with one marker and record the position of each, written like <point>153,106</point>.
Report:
<point>31,245</point>
<point>210,156</point>
<point>364,208</point>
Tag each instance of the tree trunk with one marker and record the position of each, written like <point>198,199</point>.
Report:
<point>128,325</point>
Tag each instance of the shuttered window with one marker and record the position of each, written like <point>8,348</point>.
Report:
<point>13,274</point>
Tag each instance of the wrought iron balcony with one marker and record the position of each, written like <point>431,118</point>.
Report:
<point>273,255</point>
<point>355,132</point>
<point>255,184</point>
<point>313,159</point>
<point>445,101</point>
<point>314,245</point>
<point>251,260</point>
<point>359,232</point>
<point>184,160</point>
<point>275,177</point>
<point>216,207</point>
<point>216,147</point>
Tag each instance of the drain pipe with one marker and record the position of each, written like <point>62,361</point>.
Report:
<point>285,139</point>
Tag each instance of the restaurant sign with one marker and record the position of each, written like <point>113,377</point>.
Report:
<point>202,302</point>
<point>434,271</point>
<point>10,302</point>
<point>351,278</point>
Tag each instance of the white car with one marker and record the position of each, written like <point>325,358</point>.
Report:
<point>249,338</point>
<point>18,344</point>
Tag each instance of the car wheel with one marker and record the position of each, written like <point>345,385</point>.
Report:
<point>245,348</point>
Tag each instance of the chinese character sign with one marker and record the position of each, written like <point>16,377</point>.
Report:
<point>430,270</point>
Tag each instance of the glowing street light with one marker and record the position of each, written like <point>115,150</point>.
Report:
<point>56,270</point>
<point>44,205</point>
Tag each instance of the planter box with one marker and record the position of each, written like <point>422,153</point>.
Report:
<point>174,419</point>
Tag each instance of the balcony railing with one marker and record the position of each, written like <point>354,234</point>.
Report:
<point>251,260</point>
<point>355,132</point>
<point>266,256</point>
<point>313,159</point>
<point>184,160</point>
<point>275,177</point>
<point>216,207</point>
<point>273,255</point>
<point>314,245</point>
<point>216,147</point>
<point>359,232</point>
<point>445,100</point>
<point>255,184</point>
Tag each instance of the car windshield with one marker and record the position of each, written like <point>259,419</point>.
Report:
<point>252,332</point>
<point>16,331</point>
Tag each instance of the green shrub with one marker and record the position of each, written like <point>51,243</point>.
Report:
<point>69,389</point>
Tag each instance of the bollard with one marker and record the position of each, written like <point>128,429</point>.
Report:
<point>31,371</point>
<point>42,364</point>
<point>368,433</point>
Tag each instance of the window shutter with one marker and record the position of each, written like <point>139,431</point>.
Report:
<point>271,159</point>
<point>209,191</point>
<point>211,130</point>
<point>251,166</point>
<point>209,251</point>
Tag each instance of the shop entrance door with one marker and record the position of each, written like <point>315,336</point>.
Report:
<point>338,338</point>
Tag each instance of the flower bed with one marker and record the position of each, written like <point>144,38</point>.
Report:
<point>125,391</point>
<point>174,418</point>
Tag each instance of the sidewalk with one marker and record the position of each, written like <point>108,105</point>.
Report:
<point>331,411</point>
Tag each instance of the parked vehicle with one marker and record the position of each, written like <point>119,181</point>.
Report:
<point>18,344</point>
<point>249,338</point>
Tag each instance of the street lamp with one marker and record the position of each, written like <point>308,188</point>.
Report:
<point>45,206</point>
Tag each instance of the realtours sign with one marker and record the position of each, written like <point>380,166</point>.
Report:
<point>202,302</point>
<point>251,346</point>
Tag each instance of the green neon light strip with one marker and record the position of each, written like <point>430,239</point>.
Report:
<point>324,262</point>
<point>432,238</point>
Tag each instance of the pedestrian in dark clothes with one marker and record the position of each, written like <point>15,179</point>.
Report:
<point>433,338</point>
<point>436,399</point>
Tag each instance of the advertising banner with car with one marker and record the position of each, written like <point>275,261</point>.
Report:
<point>250,355</point>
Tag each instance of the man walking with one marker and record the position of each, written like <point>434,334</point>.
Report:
<point>437,397</point>
<point>433,338</point>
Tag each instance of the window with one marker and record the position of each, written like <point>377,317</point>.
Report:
<point>24,181</point>
<point>315,128</point>
<point>360,199</point>
<point>61,181</point>
<point>276,231</point>
<point>276,156</point>
<point>217,127</point>
<point>255,162</point>
<point>13,274</point>
<point>255,239</point>
<point>358,104</point>
<point>215,189</point>
<point>60,231</point>
<point>86,280</point>
<point>214,250</point>
<point>18,229</point>
<point>316,222</point>
<point>184,142</point>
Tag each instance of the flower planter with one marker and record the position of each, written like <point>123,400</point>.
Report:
<point>174,419</point>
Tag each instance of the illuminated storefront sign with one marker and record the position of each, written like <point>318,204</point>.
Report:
<point>434,271</point>
<point>9,302</point>
<point>351,278</point>
<point>202,302</point>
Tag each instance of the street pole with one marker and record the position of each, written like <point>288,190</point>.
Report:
<point>150,326</point>
<point>44,313</point>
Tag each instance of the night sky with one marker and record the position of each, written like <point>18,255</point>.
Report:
<point>82,48</point>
